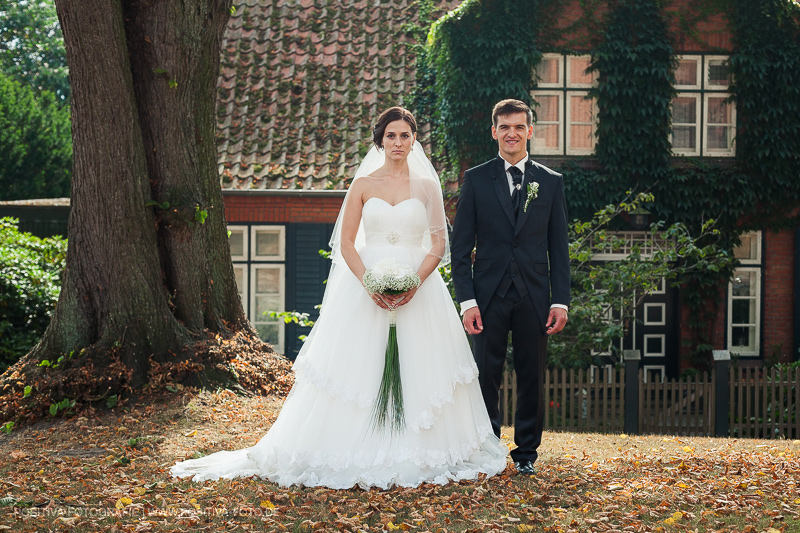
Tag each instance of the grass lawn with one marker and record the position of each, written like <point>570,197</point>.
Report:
<point>109,472</point>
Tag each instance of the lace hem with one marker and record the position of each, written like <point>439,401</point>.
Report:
<point>438,399</point>
<point>318,468</point>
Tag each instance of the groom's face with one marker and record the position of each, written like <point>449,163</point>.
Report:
<point>512,133</point>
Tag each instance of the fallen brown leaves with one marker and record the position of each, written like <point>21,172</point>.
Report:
<point>109,472</point>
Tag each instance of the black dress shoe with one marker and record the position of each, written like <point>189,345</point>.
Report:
<point>525,468</point>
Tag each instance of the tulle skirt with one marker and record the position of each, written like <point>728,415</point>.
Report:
<point>325,435</point>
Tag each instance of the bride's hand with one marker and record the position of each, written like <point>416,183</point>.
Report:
<point>380,301</point>
<point>397,300</point>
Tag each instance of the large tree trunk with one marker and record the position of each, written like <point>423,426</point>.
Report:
<point>148,266</point>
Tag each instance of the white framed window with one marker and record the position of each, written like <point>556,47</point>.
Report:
<point>238,242</point>
<point>686,124</point>
<point>687,74</point>
<point>720,124</point>
<point>654,373</point>
<point>744,298</point>
<point>550,71</point>
<point>655,314</point>
<point>548,131</point>
<point>581,123</point>
<point>744,311</point>
<point>268,243</point>
<point>578,74</point>
<point>749,251</point>
<point>267,293</point>
<point>654,345</point>
<point>703,115</point>
<point>240,273</point>
<point>662,287</point>
<point>717,73</point>
<point>566,117</point>
<point>627,241</point>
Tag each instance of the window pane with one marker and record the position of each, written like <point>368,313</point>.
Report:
<point>743,338</point>
<point>547,70</point>
<point>719,110</point>
<point>238,274</point>
<point>684,138</point>
<point>237,242</point>
<point>718,72</point>
<point>654,314</point>
<point>548,110</point>
<point>743,311</point>
<point>684,110</point>
<point>546,136</point>
<point>577,70</point>
<point>267,280</point>
<point>269,333</point>
<point>580,109</point>
<point>686,73</point>
<point>267,243</point>
<point>717,137</point>
<point>654,346</point>
<point>744,284</point>
<point>749,247</point>
<point>266,303</point>
<point>580,137</point>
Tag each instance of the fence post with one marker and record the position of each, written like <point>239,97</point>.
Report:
<point>722,398</point>
<point>632,358</point>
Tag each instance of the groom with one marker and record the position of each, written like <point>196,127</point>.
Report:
<point>512,211</point>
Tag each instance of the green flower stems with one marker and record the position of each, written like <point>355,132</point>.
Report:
<point>388,408</point>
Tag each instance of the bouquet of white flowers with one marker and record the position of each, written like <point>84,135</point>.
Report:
<point>390,277</point>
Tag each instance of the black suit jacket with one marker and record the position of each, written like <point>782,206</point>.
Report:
<point>537,240</point>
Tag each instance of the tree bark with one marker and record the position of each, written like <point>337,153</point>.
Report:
<point>148,264</point>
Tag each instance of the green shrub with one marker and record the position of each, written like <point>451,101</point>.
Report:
<point>30,282</point>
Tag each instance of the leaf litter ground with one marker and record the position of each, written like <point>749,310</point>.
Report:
<point>110,472</point>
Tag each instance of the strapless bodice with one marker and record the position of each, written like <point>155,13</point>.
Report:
<point>403,224</point>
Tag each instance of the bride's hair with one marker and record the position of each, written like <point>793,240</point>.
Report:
<point>388,116</point>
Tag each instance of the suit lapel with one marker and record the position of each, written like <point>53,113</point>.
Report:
<point>501,188</point>
<point>523,213</point>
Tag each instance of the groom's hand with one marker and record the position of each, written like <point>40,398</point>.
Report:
<point>556,320</point>
<point>472,321</point>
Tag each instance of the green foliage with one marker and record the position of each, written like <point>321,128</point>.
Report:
<point>35,143</point>
<point>636,63</point>
<point>766,74</point>
<point>482,52</point>
<point>65,407</point>
<point>605,293</point>
<point>29,288</point>
<point>32,47</point>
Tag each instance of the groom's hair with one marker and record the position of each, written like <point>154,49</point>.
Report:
<point>390,115</point>
<point>510,106</point>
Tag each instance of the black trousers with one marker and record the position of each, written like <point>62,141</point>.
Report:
<point>516,314</point>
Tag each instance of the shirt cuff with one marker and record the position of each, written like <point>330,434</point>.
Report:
<point>469,304</point>
<point>560,306</point>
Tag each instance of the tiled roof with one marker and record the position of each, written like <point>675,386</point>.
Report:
<point>301,83</point>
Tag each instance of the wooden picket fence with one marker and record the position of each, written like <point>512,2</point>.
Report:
<point>759,403</point>
<point>575,400</point>
<point>765,404</point>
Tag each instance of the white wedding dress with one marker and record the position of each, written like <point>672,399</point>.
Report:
<point>324,435</point>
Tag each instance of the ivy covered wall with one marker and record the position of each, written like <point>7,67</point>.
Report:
<point>486,50</point>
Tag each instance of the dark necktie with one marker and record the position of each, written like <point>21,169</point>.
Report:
<point>516,196</point>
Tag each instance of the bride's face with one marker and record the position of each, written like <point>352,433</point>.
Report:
<point>398,139</point>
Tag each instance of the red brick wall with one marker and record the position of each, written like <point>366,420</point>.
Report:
<point>778,295</point>
<point>578,27</point>
<point>281,208</point>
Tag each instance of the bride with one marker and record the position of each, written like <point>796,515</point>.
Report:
<point>325,434</point>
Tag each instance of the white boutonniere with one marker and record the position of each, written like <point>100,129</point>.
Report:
<point>533,194</point>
